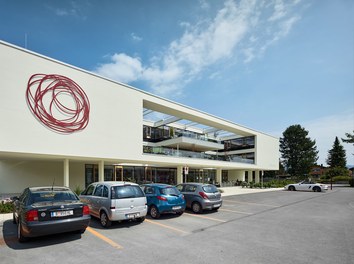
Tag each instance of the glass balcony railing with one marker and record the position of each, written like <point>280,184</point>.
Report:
<point>195,155</point>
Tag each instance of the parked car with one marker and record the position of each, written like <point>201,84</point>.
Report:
<point>200,196</point>
<point>306,186</point>
<point>115,201</point>
<point>42,211</point>
<point>163,198</point>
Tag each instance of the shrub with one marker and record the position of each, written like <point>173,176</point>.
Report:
<point>78,190</point>
<point>6,207</point>
<point>351,182</point>
<point>341,178</point>
<point>244,184</point>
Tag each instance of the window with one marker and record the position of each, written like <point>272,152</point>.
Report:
<point>127,191</point>
<point>190,188</point>
<point>98,190</point>
<point>89,190</point>
<point>210,189</point>
<point>105,191</point>
<point>149,190</point>
<point>169,191</point>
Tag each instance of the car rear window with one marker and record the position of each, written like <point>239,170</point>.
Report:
<point>127,191</point>
<point>52,196</point>
<point>210,189</point>
<point>169,191</point>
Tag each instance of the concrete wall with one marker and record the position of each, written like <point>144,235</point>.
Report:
<point>15,175</point>
<point>115,122</point>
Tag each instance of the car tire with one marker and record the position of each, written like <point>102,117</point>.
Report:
<point>105,222</point>
<point>316,189</point>
<point>196,208</point>
<point>291,188</point>
<point>20,236</point>
<point>154,212</point>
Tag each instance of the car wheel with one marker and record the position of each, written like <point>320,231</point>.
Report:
<point>20,236</point>
<point>316,189</point>
<point>154,212</point>
<point>291,188</point>
<point>196,208</point>
<point>105,222</point>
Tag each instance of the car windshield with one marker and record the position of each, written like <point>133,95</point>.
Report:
<point>52,196</point>
<point>170,191</point>
<point>127,191</point>
<point>210,189</point>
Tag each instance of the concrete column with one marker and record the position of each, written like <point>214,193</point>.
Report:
<point>66,173</point>
<point>257,176</point>
<point>218,175</point>
<point>101,171</point>
<point>179,174</point>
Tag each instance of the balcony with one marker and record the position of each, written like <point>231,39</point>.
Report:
<point>166,151</point>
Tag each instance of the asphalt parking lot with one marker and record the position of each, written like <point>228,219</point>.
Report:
<point>269,227</point>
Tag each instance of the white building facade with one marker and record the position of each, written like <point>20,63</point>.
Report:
<point>64,125</point>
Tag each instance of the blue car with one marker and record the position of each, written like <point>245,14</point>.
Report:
<point>163,198</point>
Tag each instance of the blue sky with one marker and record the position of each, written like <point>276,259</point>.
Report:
<point>263,64</point>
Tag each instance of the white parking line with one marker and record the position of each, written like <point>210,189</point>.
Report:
<point>233,211</point>
<point>166,226</point>
<point>205,217</point>
<point>269,205</point>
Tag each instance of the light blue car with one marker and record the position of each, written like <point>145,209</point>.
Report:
<point>163,198</point>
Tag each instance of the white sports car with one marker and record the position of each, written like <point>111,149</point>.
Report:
<point>306,186</point>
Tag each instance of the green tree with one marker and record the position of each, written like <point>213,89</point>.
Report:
<point>336,156</point>
<point>299,153</point>
<point>349,139</point>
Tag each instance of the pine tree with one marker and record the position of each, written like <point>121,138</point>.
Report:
<point>336,156</point>
<point>299,152</point>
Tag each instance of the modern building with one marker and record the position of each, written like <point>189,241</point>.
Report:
<point>66,126</point>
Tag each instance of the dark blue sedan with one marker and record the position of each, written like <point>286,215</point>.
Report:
<point>42,211</point>
<point>163,198</point>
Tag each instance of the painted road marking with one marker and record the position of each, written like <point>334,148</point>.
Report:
<point>233,211</point>
<point>230,201</point>
<point>206,217</point>
<point>166,226</point>
<point>104,238</point>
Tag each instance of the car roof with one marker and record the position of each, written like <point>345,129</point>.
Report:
<point>195,183</point>
<point>159,185</point>
<point>115,183</point>
<point>49,188</point>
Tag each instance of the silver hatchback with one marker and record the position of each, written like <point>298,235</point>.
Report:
<point>200,196</point>
<point>115,201</point>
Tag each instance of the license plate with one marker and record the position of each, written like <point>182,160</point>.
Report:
<point>176,207</point>
<point>61,213</point>
<point>216,205</point>
<point>132,216</point>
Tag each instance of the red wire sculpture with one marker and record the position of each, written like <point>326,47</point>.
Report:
<point>58,102</point>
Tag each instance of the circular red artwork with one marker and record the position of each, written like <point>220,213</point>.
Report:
<point>58,102</point>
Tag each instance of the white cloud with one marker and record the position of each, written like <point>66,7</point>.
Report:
<point>135,37</point>
<point>123,68</point>
<point>74,9</point>
<point>240,31</point>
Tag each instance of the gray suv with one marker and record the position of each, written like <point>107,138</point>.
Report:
<point>115,201</point>
<point>200,196</point>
